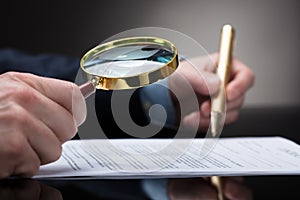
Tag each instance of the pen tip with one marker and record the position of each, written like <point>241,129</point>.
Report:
<point>217,121</point>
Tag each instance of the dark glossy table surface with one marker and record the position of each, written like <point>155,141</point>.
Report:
<point>262,187</point>
<point>252,122</point>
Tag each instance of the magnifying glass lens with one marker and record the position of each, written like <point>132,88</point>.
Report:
<point>131,60</point>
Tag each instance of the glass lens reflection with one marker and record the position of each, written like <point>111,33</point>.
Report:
<point>129,60</point>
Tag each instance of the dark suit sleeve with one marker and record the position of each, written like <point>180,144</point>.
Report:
<point>48,65</point>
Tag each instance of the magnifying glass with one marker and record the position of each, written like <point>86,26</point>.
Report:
<point>128,63</point>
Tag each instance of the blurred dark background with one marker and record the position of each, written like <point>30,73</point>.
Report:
<point>267,32</point>
<point>65,27</point>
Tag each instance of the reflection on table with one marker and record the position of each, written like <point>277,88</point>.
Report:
<point>246,188</point>
<point>194,188</point>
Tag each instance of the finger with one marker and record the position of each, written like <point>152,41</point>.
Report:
<point>28,164</point>
<point>27,128</point>
<point>6,169</point>
<point>56,117</point>
<point>242,79</point>
<point>64,93</point>
<point>205,109</point>
<point>43,141</point>
<point>204,63</point>
<point>235,104</point>
<point>230,106</point>
<point>206,83</point>
<point>203,82</point>
<point>14,148</point>
<point>72,100</point>
<point>231,116</point>
<point>198,120</point>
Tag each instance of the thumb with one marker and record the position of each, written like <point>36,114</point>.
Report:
<point>65,93</point>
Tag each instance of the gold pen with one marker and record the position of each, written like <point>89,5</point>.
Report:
<point>219,101</point>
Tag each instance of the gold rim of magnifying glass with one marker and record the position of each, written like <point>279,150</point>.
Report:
<point>139,80</point>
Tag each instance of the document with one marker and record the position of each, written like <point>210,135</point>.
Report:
<point>166,158</point>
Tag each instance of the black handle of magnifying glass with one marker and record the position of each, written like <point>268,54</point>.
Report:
<point>87,89</point>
